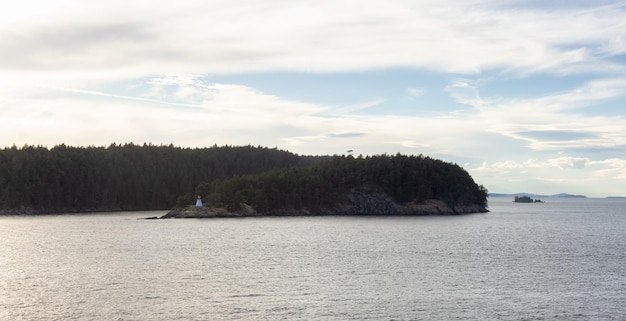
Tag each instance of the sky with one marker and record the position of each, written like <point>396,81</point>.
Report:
<point>526,95</point>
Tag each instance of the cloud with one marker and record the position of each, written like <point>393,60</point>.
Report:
<point>300,140</point>
<point>555,175</point>
<point>73,47</point>
<point>560,121</point>
<point>568,162</point>
<point>228,113</point>
<point>357,107</point>
<point>348,134</point>
<point>244,36</point>
<point>321,138</point>
<point>577,163</point>
<point>556,135</point>
<point>500,167</point>
<point>415,92</point>
<point>465,92</point>
<point>584,96</point>
<point>123,97</point>
<point>190,110</point>
<point>413,144</point>
<point>614,168</point>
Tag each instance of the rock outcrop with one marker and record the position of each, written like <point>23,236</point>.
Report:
<point>208,212</point>
<point>357,203</point>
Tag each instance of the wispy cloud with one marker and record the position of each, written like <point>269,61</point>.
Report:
<point>329,36</point>
<point>548,122</point>
<point>415,92</point>
<point>465,92</point>
<point>614,168</point>
<point>357,107</point>
<point>554,175</point>
<point>126,97</point>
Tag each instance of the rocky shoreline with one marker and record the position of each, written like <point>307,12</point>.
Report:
<point>358,204</point>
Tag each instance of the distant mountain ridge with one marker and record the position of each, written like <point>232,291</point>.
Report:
<point>561,195</point>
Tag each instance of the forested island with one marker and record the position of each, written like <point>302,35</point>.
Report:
<point>232,180</point>
<point>526,199</point>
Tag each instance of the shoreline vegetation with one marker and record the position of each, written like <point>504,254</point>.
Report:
<point>232,182</point>
<point>431,207</point>
<point>526,199</point>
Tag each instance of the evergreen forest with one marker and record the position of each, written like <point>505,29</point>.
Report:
<point>405,179</point>
<point>35,179</point>
<point>122,177</point>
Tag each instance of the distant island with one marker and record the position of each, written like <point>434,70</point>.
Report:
<point>231,181</point>
<point>526,199</point>
<point>560,195</point>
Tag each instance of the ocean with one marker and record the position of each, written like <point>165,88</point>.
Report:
<point>564,259</point>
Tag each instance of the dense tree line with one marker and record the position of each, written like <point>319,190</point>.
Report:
<point>523,199</point>
<point>404,178</point>
<point>122,177</point>
<point>143,177</point>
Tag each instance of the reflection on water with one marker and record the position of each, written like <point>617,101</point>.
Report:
<point>563,259</point>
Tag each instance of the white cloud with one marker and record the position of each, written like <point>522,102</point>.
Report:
<point>614,168</point>
<point>300,140</point>
<point>357,107</point>
<point>574,163</point>
<point>413,144</point>
<point>223,36</point>
<point>186,109</point>
<point>559,162</point>
<point>415,92</point>
<point>502,167</point>
<point>568,162</point>
<point>563,114</point>
<point>465,92</point>
<point>85,117</point>
<point>595,178</point>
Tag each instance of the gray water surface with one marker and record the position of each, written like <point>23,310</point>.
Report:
<point>560,260</point>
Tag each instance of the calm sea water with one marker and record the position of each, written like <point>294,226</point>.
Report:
<point>561,260</point>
